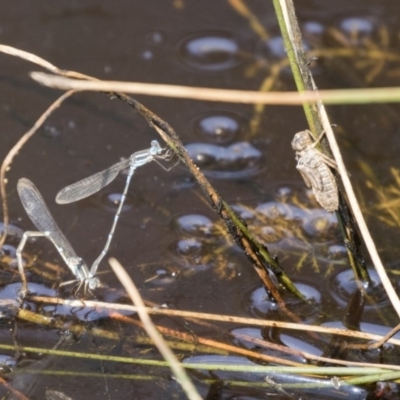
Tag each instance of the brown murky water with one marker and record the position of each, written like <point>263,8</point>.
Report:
<point>168,239</point>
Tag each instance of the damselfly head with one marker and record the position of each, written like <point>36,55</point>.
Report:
<point>155,148</point>
<point>93,283</point>
<point>301,140</point>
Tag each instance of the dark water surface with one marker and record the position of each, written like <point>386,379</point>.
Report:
<point>170,241</point>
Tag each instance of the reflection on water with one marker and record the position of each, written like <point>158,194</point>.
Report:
<point>220,127</point>
<point>238,160</point>
<point>209,51</point>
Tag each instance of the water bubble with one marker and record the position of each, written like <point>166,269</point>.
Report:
<point>313,34</point>
<point>183,182</point>
<point>376,329</point>
<point>273,50</point>
<point>219,127</point>
<point>251,332</point>
<point>12,230</point>
<point>260,304</point>
<point>284,193</point>
<point>295,343</point>
<point>7,363</point>
<point>189,247</point>
<point>8,251</point>
<point>344,285</point>
<point>365,327</point>
<point>161,277</point>
<point>111,201</point>
<point>191,252</point>
<point>309,292</point>
<point>336,254</point>
<point>270,234</point>
<point>238,160</point>
<point>358,29</point>
<point>321,226</point>
<point>55,128</point>
<point>156,38</point>
<point>274,210</point>
<point>194,224</point>
<point>313,28</point>
<point>147,55</point>
<point>209,51</point>
<point>13,289</point>
<point>51,131</point>
<point>244,212</point>
<point>295,194</point>
<point>307,310</point>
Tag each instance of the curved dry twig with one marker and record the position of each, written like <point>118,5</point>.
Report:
<point>14,151</point>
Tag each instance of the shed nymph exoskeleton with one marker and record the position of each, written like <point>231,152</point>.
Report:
<point>314,167</point>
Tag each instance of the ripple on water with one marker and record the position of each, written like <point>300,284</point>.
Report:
<point>7,250</point>
<point>219,126</point>
<point>249,338</point>
<point>12,290</point>
<point>156,38</point>
<point>313,29</point>
<point>8,254</point>
<point>294,193</point>
<point>334,254</point>
<point>343,286</point>
<point>313,35</point>
<point>366,327</point>
<point>7,363</point>
<point>307,311</point>
<point>321,226</point>
<point>387,354</point>
<point>260,305</point>
<point>242,336</point>
<point>191,253</point>
<point>295,343</point>
<point>111,201</point>
<point>57,127</point>
<point>210,51</point>
<point>274,210</point>
<point>239,160</point>
<point>12,231</point>
<point>147,55</point>
<point>273,50</point>
<point>359,30</point>
<point>194,224</point>
<point>160,277</point>
<point>189,247</point>
<point>244,212</point>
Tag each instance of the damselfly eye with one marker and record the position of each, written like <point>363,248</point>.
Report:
<point>155,148</point>
<point>93,283</point>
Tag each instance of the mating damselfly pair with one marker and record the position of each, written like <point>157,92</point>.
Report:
<point>41,217</point>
